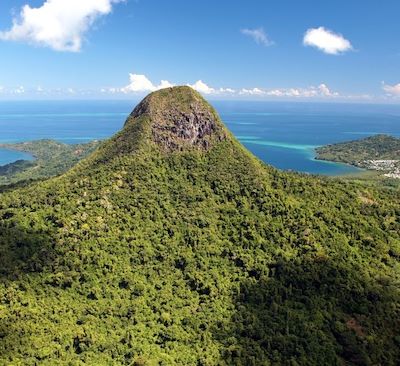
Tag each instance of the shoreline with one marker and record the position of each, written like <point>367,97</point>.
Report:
<point>19,154</point>
<point>359,173</point>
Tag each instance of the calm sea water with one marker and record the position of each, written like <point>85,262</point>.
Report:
<point>281,134</point>
<point>7,156</point>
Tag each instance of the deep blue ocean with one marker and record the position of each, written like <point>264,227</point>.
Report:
<point>280,133</point>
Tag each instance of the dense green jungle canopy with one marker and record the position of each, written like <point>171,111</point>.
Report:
<point>172,245</point>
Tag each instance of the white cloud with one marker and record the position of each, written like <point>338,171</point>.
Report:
<point>276,93</point>
<point>254,91</point>
<point>325,91</point>
<point>110,90</point>
<point>140,83</point>
<point>19,90</point>
<point>227,90</point>
<point>12,91</point>
<point>392,90</point>
<point>258,35</point>
<point>58,24</point>
<point>321,91</point>
<point>326,41</point>
<point>165,84</point>
<point>202,87</point>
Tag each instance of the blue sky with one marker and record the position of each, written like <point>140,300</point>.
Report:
<point>227,49</point>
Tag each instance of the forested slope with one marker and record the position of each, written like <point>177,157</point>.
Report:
<point>173,245</point>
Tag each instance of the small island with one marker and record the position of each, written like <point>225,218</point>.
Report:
<point>378,153</point>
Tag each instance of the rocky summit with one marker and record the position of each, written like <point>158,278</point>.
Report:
<point>172,245</point>
<point>180,119</point>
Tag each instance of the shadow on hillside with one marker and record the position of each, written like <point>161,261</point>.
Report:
<point>313,313</point>
<point>24,253</point>
<point>23,250</point>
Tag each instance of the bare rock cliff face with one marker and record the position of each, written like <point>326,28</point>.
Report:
<point>180,120</point>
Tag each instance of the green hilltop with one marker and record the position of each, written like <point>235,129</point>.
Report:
<point>172,245</point>
<point>377,147</point>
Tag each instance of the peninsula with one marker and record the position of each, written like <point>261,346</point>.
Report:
<point>51,159</point>
<point>379,153</point>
